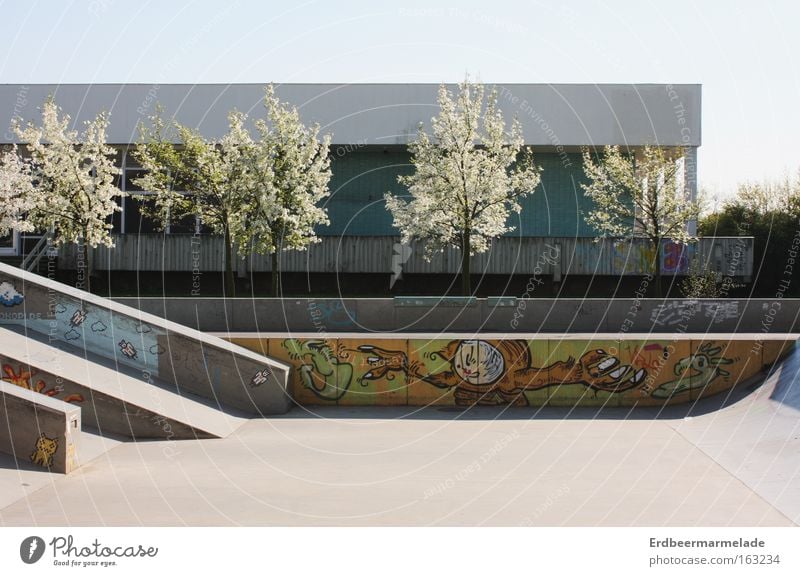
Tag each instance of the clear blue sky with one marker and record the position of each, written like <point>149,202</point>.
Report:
<point>744,53</point>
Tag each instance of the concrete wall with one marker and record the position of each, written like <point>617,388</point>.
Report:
<point>39,429</point>
<point>456,370</point>
<point>503,315</point>
<point>167,352</point>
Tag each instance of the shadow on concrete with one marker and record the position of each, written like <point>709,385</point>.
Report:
<point>92,445</point>
<point>8,462</point>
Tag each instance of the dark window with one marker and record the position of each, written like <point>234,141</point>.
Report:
<point>135,221</point>
<point>130,176</point>
<point>185,225</point>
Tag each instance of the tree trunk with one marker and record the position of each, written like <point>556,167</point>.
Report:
<point>83,280</point>
<point>276,272</point>
<point>657,268</point>
<point>87,270</point>
<point>466,288</point>
<point>230,285</point>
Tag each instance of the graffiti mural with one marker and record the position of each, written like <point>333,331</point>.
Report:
<point>488,372</point>
<point>675,257</point>
<point>632,257</point>
<point>101,331</point>
<point>637,256</point>
<point>322,370</point>
<point>334,371</point>
<point>44,450</point>
<point>331,315</point>
<point>127,349</point>
<point>695,372</point>
<point>23,377</point>
<point>680,312</point>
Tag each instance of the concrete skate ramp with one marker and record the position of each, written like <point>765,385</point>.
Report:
<point>175,355</point>
<point>757,436</point>
<point>109,399</point>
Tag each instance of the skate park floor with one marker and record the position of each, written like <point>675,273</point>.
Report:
<point>728,460</point>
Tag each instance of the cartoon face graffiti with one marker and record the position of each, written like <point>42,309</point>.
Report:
<point>478,362</point>
<point>44,451</point>
<point>695,371</point>
<point>705,363</point>
<point>488,373</point>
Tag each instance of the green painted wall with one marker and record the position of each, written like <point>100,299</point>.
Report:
<point>362,175</point>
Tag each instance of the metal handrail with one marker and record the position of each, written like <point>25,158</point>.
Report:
<point>35,255</point>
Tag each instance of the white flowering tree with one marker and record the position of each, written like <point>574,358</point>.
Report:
<point>470,174</point>
<point>639,195</point>
<point>291,177</point>
<point>203,177</point>
<point>73,176</point>
<point>17,193</point>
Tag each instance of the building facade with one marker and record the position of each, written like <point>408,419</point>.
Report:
<point>371,125</point>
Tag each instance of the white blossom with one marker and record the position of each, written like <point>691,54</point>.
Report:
<point>262,195</point>
<point>212,179</point>
<point>292,175</point>
<point>470,174</point>
<point>74,193</point>
<point>641,195</point>
<point>17,193</point>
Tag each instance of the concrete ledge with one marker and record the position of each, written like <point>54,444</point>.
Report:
<point>39,429</point>
<point>482,315</point>
<point>173,353</point>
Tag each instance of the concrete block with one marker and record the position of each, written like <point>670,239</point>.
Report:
<point>39,429</point>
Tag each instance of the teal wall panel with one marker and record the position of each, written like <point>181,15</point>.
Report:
<point>361,176</point>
